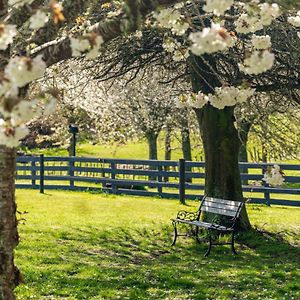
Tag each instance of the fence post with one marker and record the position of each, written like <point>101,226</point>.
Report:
<point>71,171</point>
<point>113,177</point>
<point>182,180</point>
<point>33,172</point>
<point>266,193</point>
<point>159,179</point>
<point>42,172</point>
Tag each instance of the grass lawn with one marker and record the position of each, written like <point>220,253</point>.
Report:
<point>93,246</point>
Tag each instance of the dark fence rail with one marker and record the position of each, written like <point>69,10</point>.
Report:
<point>167,179</point>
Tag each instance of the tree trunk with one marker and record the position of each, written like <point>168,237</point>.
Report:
<point>168,140</point>
<point>220,140</point>
<point>152,144</point>
<point>244,130</point>
<point>186,141</point>
<point>9,274</point>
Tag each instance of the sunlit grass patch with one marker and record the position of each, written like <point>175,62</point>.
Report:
<point>94,246</point>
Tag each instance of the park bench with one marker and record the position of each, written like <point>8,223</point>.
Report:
<point>225,212</point>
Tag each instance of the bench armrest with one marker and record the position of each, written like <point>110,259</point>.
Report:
<point>187,215</point>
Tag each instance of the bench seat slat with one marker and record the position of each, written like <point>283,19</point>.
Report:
<point>204,225</point>
<point>222,201</point>
<point>219,211</point>
<point>220,206</point>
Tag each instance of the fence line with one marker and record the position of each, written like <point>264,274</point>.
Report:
<point>167,179</point>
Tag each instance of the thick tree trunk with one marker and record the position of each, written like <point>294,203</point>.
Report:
<point>9,274</point>
<point>220,139</point>
<point>244,130</point>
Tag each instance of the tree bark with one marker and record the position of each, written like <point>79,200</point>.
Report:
<point>186,142</point>
<point>9,274</point>
<point>152,144</point>
<point>244,130</point>
<point>185,139</point>
<point>168,149</point>
<point>220,140</point>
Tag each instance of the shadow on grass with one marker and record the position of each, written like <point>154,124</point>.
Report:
<point>140,264</point>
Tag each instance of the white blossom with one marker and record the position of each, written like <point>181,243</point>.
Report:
<point>210,40</point>
<point>261,42</point>
<point>258,62</point>
<point>7,33</point>
<point>197,100</point>
<point>7,89</point>
<point>79,46</point>
<point>10,135</point>
<point>23,112</point>
<point>169,45</point>
<point>179,28</point>
<point>172,19</point>
<point>21,70</point>
<point>19,3</point>
<point>180,54</point>
<point>268,12</point>
<point>295,21</point>
<point>218,7</point>
<point>168,17</point>
<point>273,176</point>
<point>38,20</point>
<point>95,47</point>
<point>246,24</point>
<point>89,44</point>
<point>229,96</point>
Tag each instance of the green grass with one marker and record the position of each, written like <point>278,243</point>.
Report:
<point>93,246</point>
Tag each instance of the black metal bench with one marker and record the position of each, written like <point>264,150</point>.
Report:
<point>220,208</point>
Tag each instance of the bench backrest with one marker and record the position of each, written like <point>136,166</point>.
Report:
<point>221,206</point>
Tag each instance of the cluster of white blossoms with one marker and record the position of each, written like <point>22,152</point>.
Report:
<point>256,18</point>
<point>19,3</point>
<point>261,42</point>
<point>7,34</point>
<point>88,44</point>
<point>10,136</point>
<point>211,39</point>
<point>295,21</point>
<point>174,47</point>
<point>21,70</point>
<point>172,18</point>
<point>217,7</point>
<point>274,176</point>
<point>223,96</point>
<point>258,62</point>
<point>38,20</point>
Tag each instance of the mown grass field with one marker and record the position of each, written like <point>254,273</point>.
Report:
<point>94,246</point>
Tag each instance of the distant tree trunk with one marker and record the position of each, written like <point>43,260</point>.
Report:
<point>186,141</point>
<point>152,144</point>
<point>244,130</point>
<point>220,140</point>
<point>168,140</point>
<point>185,138</point>
<point>9,274</point>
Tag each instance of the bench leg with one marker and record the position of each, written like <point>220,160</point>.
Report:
<point>209,246</point>
<point>232,244</point>
<point>175,233</point>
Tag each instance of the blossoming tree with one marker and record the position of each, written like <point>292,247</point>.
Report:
<point>226,45</point>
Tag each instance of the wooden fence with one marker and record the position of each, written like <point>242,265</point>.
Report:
<point>166,179</point>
